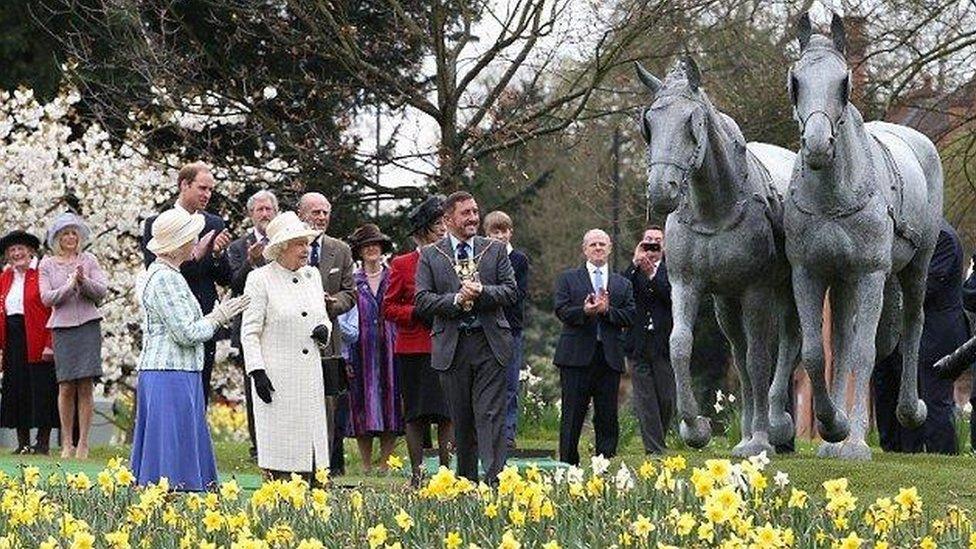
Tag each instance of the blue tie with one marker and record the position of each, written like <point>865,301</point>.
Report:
<point>313,258</point>
<point>462,251</point>
<point>597,286</point>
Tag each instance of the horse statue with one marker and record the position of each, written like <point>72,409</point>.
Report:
<point>724,232</point>
<point>862,220</point>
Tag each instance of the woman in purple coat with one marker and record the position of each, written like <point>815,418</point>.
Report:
<point>374,394</point>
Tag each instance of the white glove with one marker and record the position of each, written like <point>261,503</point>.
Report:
<point>228,309</point>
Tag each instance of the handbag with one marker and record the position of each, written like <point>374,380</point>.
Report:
<point>334,376</point>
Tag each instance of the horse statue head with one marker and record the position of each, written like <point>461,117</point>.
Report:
<point>681,128</point>
<point>673,127</point>
<point>819,85</point>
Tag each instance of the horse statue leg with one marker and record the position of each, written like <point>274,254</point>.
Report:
<point>911,410</point>
<point>781,426</point>
<point>728,312</point>
<point>858,310</point>
<point>758,320</point>
<point>694,428</point>
<point>809,292</point>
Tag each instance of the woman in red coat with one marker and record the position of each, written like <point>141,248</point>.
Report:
<point>28,392</point>
<point>423,398</point>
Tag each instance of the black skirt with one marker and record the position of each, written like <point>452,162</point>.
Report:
<point>29,392</point>
<point>420,388</point>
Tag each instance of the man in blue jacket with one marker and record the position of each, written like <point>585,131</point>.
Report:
<point>209,266</point>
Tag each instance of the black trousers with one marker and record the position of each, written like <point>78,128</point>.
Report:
<point>475,388</point>
<point>938,434</point>
<point>337,451</point>
<point>209,353</point>
<point>596,382</point>
<point>654,400</point>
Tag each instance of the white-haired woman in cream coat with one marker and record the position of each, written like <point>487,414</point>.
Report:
<point>280,355</point>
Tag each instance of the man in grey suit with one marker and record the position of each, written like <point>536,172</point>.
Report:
<point>334,261</point>
<point>464,282</point>
<point>244,255</point>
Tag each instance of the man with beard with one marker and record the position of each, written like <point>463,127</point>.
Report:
<point>208,267</point>
<point>244,255</point>
<point>464,282</point>
<point>333,258</point>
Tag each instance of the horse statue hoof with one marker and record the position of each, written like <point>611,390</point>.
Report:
<point>912,418</point>
<point>828,449</point>
<point>836,430</point>
<point>696,433</point>
<point>780,428</point>
<point>753,447</point>
<point>854,451</point>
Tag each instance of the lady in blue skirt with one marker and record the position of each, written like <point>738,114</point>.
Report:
<point>171,435</point>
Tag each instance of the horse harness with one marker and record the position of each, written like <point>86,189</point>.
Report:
<point>894,202</point>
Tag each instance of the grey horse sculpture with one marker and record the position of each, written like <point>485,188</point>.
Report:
<point>724,230</point>
<point>862,219</point>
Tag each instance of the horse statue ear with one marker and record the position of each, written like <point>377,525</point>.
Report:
<point>804,30</point>
<point>644,129</point>
<point>692,73</point>
<point>846,91</point>
<point>838,34</point>
<point>649,80</point>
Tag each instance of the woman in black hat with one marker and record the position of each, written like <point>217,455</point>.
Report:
<point>374,392</point>
<point>28,392</point>
<point>423,399</point>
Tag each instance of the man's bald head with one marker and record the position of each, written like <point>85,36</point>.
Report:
<point>315,210</point>
<point>596,246</point>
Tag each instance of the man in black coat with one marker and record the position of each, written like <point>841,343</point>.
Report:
<point>208,267</point>
<point>647,341</point>
<point>244,255</point>
<point>944,330</point>
<point>595,307</point>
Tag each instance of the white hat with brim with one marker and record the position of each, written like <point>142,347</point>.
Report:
<point>64,221</point>
<point>283,229</point>
<point>174,228</point>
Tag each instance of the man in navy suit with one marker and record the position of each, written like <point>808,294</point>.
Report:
<point>498,225</point>
<point>209,266</point>
<point>647,342</point>
<point>945,328</point>
<point>595,307</point>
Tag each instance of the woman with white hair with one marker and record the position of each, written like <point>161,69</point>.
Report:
<point>171,437</point>
<point>72,285</point>
<point>279,331</point>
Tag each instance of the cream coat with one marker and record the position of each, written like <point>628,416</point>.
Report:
<point>276,333</point>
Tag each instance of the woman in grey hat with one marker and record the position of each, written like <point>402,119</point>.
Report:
<point>73,284</point>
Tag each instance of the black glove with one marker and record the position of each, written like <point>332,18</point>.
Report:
<point>262,385</point>
<point>321,334</point>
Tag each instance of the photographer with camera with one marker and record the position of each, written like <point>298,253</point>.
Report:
<point>647,342</point>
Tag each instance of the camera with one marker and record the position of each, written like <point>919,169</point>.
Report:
<point>651,246</point>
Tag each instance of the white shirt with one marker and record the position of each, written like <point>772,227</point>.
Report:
<point>454,245</point>
<point>14,304</point>
<point>604,273</point>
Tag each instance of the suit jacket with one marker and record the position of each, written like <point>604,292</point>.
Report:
<point>335,268</point>
<point>202,276</point>
<point>515,312</point>
<point>653,299</point>
<point>413,334</point>
<point>438,283</point>
<point>945,327</point>
<point>240,267</point>
<point>578,340</point>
